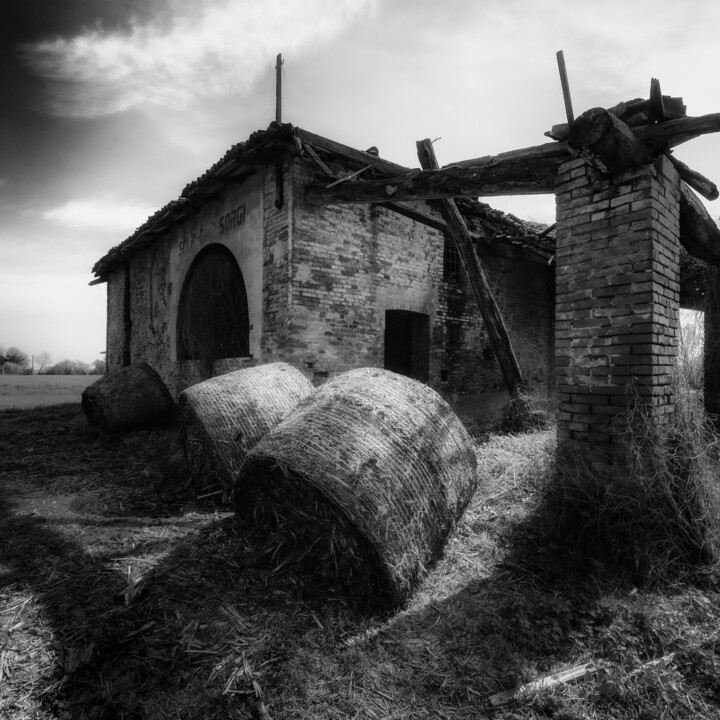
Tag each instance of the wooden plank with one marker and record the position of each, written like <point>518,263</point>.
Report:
<point>503,698</point>
<point>384,166</point>
<point>707,188</point>
<point>565,87</point>
<point>699,234</point>
<point>308,148</point>
<point>494,324</point>
<point>676,131</point>
<point>529,171</point>
<point>548,156</point>
<point>656,110</point>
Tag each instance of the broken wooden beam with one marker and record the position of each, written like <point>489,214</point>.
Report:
<point>702,185</point>
<point>699,234</point>
<point>634,113</point>
<point>494,324</point>
<point>331,146</point>
<point>529,171</point>
<point>674,132</point>
<point>607,142</point>
<point>564,676</point>
<point>656,107</point>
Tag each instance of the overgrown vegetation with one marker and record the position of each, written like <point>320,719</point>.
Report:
<point>657,517</point>
<point>123,595</point>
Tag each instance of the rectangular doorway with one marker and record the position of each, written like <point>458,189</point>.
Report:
<point>407,343</point>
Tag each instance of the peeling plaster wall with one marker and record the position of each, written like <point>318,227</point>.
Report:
<point>115,330</point>
<point>158,273</point>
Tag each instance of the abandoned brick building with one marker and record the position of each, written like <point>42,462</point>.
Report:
<point>294,247</point>
<point>242,269</point>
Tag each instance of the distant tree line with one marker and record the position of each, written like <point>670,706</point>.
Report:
<point>14,361</point>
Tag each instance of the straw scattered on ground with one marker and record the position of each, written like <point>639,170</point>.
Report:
<point>123,596</point>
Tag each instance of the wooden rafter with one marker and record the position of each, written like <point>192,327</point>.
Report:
<point>497,332</point>
<point>699,233</point>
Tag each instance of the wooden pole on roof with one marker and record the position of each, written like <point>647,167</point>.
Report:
<point>278,88</point>
<point>565,87</point>
<point>494,324</point>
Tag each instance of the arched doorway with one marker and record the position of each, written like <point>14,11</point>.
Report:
<point>213,311</point>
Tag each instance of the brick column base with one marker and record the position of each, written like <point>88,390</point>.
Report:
<point>617,303</point>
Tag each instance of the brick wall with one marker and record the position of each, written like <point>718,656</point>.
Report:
<point>617,302</point>
<point>277,252</point>
<point>352,263</point>
<point>326,277</point>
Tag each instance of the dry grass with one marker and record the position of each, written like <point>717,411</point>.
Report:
<point>123,596</point>
<point>658,518</point>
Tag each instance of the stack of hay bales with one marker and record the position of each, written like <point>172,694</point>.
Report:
<point>222,418</point>
<point>131,398</point>
<point>364,482</point>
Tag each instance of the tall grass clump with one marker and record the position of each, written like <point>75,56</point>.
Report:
<point>656,515</point>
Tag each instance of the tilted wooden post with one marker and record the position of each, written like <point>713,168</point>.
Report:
<point>489,310</point>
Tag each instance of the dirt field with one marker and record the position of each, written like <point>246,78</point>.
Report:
<point>29,391</point>
<point>124,596</point>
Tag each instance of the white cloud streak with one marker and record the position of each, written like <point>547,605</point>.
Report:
<point>100,213</point>
<point>219,49</point>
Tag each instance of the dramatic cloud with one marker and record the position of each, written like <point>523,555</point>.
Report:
<point>218,48</point>
<point>102,212</point>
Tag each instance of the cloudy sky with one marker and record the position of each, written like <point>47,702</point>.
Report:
<point>109,107</point>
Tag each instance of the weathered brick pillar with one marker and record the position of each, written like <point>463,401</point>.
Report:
<point>617,302</point>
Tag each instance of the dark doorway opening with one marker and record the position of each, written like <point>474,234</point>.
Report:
<point>407,343</point>
<point>213,318</point>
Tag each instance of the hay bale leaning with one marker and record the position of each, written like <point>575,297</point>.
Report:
<point>222,418</point>
<point>130,398</point>
<point>365,481</point>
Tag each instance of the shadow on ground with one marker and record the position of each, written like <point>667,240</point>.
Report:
<point>156,605</point>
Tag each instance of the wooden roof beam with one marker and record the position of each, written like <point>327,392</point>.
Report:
<point>530,171</point>
<point>378,163</point>
<point>699,234</point>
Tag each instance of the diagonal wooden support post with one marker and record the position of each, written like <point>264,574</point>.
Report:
<point>488,307</point>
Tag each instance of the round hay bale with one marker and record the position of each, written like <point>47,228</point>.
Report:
<point>364,482</point>
<point>222,418</point>
<point>131,398</point>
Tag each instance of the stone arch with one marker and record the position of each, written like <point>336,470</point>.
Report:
<point>213,318</point>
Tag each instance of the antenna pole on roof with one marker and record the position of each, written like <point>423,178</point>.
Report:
<point>278,88</point>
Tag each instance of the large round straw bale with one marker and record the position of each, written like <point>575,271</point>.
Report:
<point>130,398</point>
<point>223,417</point>
<point>365,480</point>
